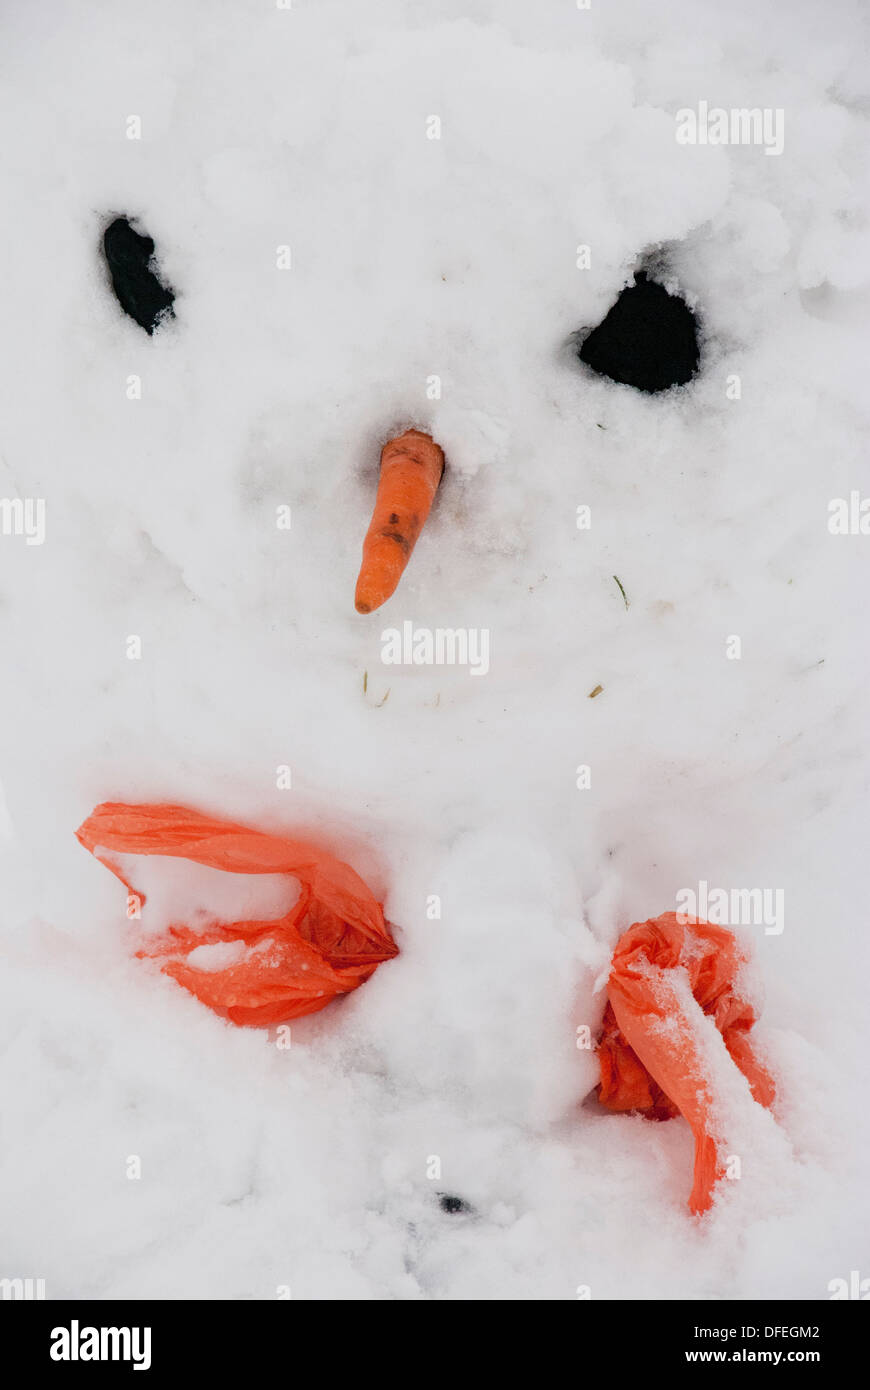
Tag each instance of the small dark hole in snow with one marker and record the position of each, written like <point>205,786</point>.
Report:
<point>139,291</point>
<point>447,1202</point>
<point>648,339</point>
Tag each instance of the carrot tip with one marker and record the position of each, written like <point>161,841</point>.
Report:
<point>368,599</point>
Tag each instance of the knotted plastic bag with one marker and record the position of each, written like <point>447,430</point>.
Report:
<point>332,940</point>
<point>651,1049</point>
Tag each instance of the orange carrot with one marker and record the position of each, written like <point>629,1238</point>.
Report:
<point>411,468</point>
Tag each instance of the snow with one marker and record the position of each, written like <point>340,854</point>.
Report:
<point>454,1069</point>
<point>175,890</point>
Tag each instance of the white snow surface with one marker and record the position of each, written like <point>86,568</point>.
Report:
<point>316,1166</point>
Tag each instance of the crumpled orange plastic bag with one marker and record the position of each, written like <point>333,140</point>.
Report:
<point>649,1053</point>
<point>332,940</point>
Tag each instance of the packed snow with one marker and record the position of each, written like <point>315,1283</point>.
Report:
<point>350,200</point>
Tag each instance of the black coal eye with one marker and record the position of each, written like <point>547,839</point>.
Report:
<point>137,286</point>
<point>648,339</point>
<point>447,1202</point>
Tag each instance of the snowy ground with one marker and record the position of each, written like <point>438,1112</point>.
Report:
<point>411,257</point>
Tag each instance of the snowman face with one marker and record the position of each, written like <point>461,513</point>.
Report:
<point>381,216</point>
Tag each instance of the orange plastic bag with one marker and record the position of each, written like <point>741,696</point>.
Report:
<point>650,1055</point>
<point>332,940</point>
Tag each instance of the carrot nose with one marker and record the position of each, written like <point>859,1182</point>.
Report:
<point>411,469</point>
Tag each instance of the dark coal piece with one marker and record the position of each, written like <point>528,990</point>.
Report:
<point>648,339</point>
<point>140,292</point>
<point>452,1204</point>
